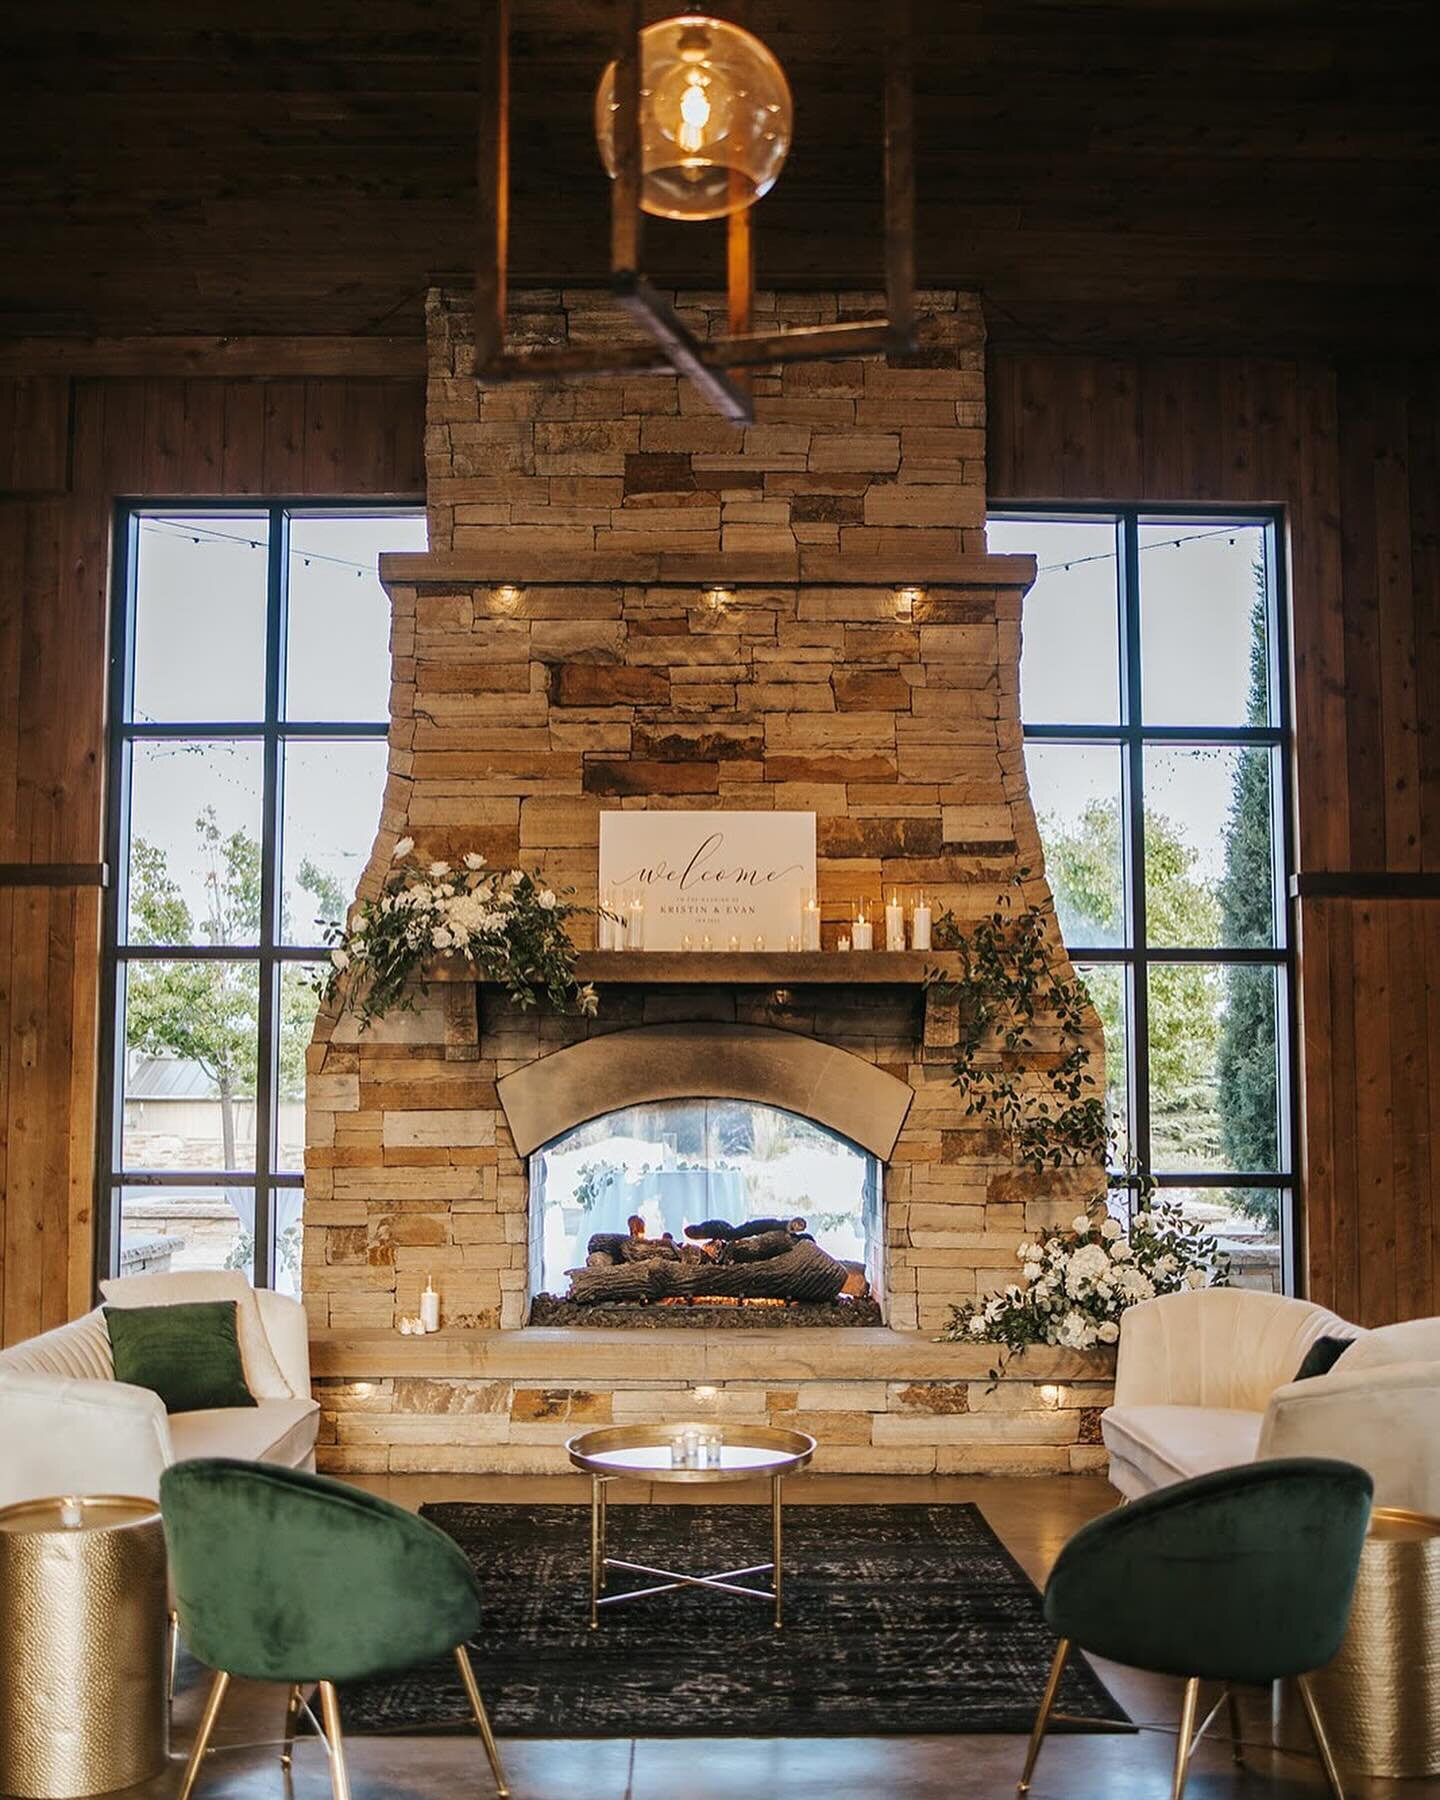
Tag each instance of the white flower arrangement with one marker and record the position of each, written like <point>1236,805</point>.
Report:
<point>1077,1281</point>
<point>510,926</point>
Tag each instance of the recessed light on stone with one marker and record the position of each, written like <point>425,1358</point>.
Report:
<point>905,599</point>
<point>718,598</point>
<point>507,597</point>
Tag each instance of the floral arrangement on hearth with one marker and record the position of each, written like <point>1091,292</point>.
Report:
<point>508,925</point>
<point>1077,1281</point>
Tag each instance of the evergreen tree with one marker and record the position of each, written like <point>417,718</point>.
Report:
<point>1246,1061</point>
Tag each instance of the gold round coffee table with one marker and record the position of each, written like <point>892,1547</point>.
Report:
<point>645,1453</point>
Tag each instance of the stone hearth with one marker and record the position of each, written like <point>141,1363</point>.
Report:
<point>630,603</point>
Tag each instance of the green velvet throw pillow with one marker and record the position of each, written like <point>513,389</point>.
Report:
<point>1322,1357</point>
<point>188,1354</point>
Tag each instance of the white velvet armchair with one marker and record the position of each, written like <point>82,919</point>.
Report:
<point>1206,1380</point>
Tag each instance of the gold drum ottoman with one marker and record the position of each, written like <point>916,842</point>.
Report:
<point>83,1623</point>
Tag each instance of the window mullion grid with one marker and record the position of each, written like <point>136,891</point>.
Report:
<point>270,851</point>
<point>1133,787</point>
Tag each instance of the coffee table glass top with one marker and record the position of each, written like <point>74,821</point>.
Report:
<point>644,1450</point>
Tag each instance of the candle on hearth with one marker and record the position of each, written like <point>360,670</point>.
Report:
<point>894,923</point>
<point>686,941</point>
<point>843,943</point>
<point>759,943</point>
<point>862,932</point>
<point>734,942</point>
<point>810,924</point>
<point>706,942</point>
<point>920,924</point>
<point>430,1305</point>
<point>635,925</point>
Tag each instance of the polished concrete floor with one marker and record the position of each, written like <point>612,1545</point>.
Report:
<point>1034,1517</point>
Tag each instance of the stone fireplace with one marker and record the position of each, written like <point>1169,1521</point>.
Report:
<point>629,603</point>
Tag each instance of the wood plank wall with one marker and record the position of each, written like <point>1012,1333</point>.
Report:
<point>1352,451</point>
<point>68,449</point>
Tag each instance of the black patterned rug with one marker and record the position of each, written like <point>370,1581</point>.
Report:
<point>899,1619</point>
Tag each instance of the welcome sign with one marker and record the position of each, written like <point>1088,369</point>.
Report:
<point>718,874</point>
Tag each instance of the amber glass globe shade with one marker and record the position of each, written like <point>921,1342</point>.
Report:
<point>715,118</point>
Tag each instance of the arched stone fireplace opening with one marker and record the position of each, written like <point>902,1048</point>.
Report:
<point>650,1132</point>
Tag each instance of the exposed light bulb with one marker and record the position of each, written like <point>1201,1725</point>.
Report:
<point>694,112</point>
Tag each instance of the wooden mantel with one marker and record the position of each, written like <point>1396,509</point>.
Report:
<point>747,968</point>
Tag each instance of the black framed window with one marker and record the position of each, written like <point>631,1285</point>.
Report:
<point>250,683</point>
<point>1155,704</point>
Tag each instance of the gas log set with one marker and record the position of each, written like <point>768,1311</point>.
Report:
<point>765,1262</point>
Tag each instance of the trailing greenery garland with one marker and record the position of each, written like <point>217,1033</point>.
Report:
<point>1007,979</point>
<point>510,927</point>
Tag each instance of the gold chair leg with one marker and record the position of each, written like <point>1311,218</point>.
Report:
<point>1042,1718</point>
<point>293,1702</point>
<point>213,1702</point>
<point>172,1655</point>
<point>1322,1742</point>
<point>1189,1706</point>
<point>1237,1734</point>
<point>330,1713</point>
<point>482,1719</point>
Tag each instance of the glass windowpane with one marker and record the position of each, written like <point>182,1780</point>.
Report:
<point>200,605</point>
<point>1209,856</point>
<point>1070,660</point>
<point>1075,790</point>
<point>1108,985</point>
<point>191,1035</point>
<point>1246,1224</point>
<point>1204,625</point>
<point>168,1230</point>
<point>195,836</point>
<point>337,661</point>
<point>1214,1072</point>
<point>296,1015</point>
<point>332,796</point>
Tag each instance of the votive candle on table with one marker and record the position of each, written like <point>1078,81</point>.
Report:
<point>734,942</point>
<point>894,924</point>
<point>862,933</point>
<point>687,942</point>
<point>759,943</point>
<point>843,944</point>
<point>920,924</point>
<point>705,943</point>
<point>792,942</point>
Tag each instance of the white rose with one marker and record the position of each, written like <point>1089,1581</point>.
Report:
<point>1122,1252</point>
<point>474,860</point>
<point>403,848</point>
<point>1108,1331</point>
<point>1110,1229</point>
<point>547,899</point>
<point>1195,1278</point>
<point>1027,1252</point>
<point>1086,1266</point>
<point>441,938</point>
<point>1081,1224</point>
<point>1033,1272</point>
<point>515,877</point>
<point>340,958</point>
<point>1143,1221</point>
<point>977,1325</point>
<point>439,870</point>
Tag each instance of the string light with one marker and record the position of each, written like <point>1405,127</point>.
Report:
<point>173,528</point>
<point>1193,537</point>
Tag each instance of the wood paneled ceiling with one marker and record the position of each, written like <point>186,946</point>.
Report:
<point>1221,173</point>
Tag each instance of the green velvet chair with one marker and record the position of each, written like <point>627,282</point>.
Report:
<point>288,1577</point>
<point>1243,1576</point>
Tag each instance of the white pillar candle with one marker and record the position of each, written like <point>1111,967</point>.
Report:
<point>635,925</point>
<point>810,925</point>
<point>862,933</point>
<point>430,1306</point>
<point>894,924</point>
<point>920,924</point>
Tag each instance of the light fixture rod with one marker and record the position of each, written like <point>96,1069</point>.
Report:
<point>493,181</point>
<point>625,216</point>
